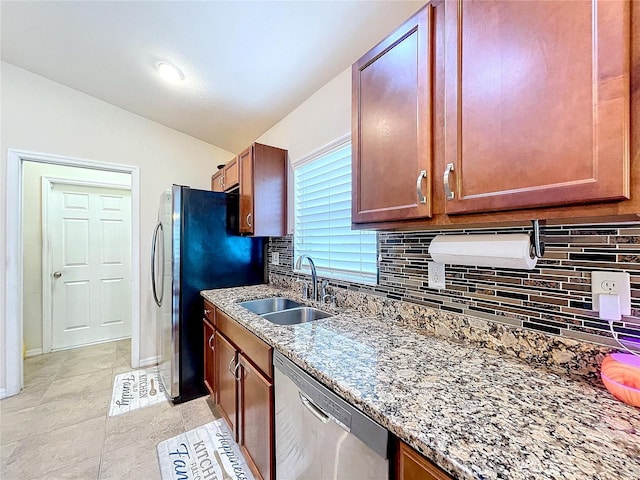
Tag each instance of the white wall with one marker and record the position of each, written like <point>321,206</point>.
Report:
<point>42,116</point>
<point>32,237</point>
<point>324,117</point>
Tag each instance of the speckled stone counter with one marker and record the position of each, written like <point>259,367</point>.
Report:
<point>474,412</point>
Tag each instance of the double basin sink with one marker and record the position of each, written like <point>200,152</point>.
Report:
<point>284,311</point>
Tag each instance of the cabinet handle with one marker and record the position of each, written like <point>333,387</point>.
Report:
<point>222,182</point>
<point>448,194</point>
<point>249,219</point>
<point>421,197</point>
<point>234,372</point>
<point>206,311</point>
<point>229,368</point>
<point>210,340</point>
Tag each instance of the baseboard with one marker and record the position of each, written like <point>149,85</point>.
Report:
<point>149,361</point>
<point>33,352</point>
<point>3,392</point>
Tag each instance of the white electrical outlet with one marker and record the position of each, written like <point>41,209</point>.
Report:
<point>614,285</point>
<point>436,275</point>
<point>275,258</point>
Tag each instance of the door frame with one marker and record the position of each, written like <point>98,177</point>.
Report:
<point>47,284</point>
<point>13,320</point>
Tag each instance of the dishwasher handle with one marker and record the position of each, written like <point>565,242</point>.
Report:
<point>313,408</point>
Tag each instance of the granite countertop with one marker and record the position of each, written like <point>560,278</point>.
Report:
<point>477,414</point>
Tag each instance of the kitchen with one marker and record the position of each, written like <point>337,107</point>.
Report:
<point>473,293</point>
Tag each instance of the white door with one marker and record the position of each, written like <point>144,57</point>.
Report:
<point>89,234</point>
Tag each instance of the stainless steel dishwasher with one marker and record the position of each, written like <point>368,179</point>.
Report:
<point>319,436</point>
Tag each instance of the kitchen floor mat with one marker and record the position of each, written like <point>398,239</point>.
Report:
<point>208,451</point>
<point>136,389</point>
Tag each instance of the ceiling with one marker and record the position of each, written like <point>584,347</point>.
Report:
<point>247,64</point>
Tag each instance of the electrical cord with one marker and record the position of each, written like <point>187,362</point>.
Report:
<point>615,337</point>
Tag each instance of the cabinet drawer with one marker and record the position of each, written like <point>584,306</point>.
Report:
<point>209,312</point>
<point>254,348</point>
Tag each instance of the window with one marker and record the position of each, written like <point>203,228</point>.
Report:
<point>322,227</point>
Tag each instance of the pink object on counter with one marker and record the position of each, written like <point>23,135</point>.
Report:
<point>620,373</point>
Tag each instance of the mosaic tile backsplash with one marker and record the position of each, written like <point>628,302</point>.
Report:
<point>554,298</point>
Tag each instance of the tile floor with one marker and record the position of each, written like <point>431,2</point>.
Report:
<point>58,427</point>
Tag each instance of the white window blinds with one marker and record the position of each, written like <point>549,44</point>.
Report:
<point>323,220</point>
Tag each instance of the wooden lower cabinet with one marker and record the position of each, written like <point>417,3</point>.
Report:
<point>227,397</point>
<point>410,465</point>
<point>209,358</point>
<point>242,387</point>
<point>256,419</point>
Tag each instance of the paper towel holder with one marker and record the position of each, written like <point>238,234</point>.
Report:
<point>537,239</point>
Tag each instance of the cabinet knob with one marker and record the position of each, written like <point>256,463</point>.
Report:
<point>448,193</point>
<point>57,274</point>
<point>249,218</point>
<point>421,197</point>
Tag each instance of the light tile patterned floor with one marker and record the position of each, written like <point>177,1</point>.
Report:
<point>57,427</point>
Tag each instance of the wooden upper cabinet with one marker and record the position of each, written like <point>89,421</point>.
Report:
<point>536,104</point>
<point>231,175</point>
<point>245,160</point>
<point>392,125</point>
<point>226,178</point>
<point>263,188</point>
<point>217,181</point>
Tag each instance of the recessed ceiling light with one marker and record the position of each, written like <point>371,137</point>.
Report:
<point>169,72</point>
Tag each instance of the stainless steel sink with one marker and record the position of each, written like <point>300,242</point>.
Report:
<point>295,316</point>
<point>268,305</point>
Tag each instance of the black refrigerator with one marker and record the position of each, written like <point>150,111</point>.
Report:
<point>195,247</point>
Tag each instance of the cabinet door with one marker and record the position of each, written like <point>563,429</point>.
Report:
<point>209,358</point>
<point>227,395</point>
<point>256,424</point>
<point>231,175</point>
<point>392,125</point>
<point>245,160</point>
<point>413,466</point>
<point>536,103</point>
<point>217,181</point>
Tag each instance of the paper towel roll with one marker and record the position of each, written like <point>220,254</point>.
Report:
<point>506,250</point>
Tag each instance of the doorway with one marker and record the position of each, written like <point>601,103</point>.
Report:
<point>14,308</point>
<point>86,263</point>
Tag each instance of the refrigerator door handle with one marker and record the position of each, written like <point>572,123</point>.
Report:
<point>154,245</point>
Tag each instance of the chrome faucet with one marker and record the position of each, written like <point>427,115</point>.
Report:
<point>314,276</point>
